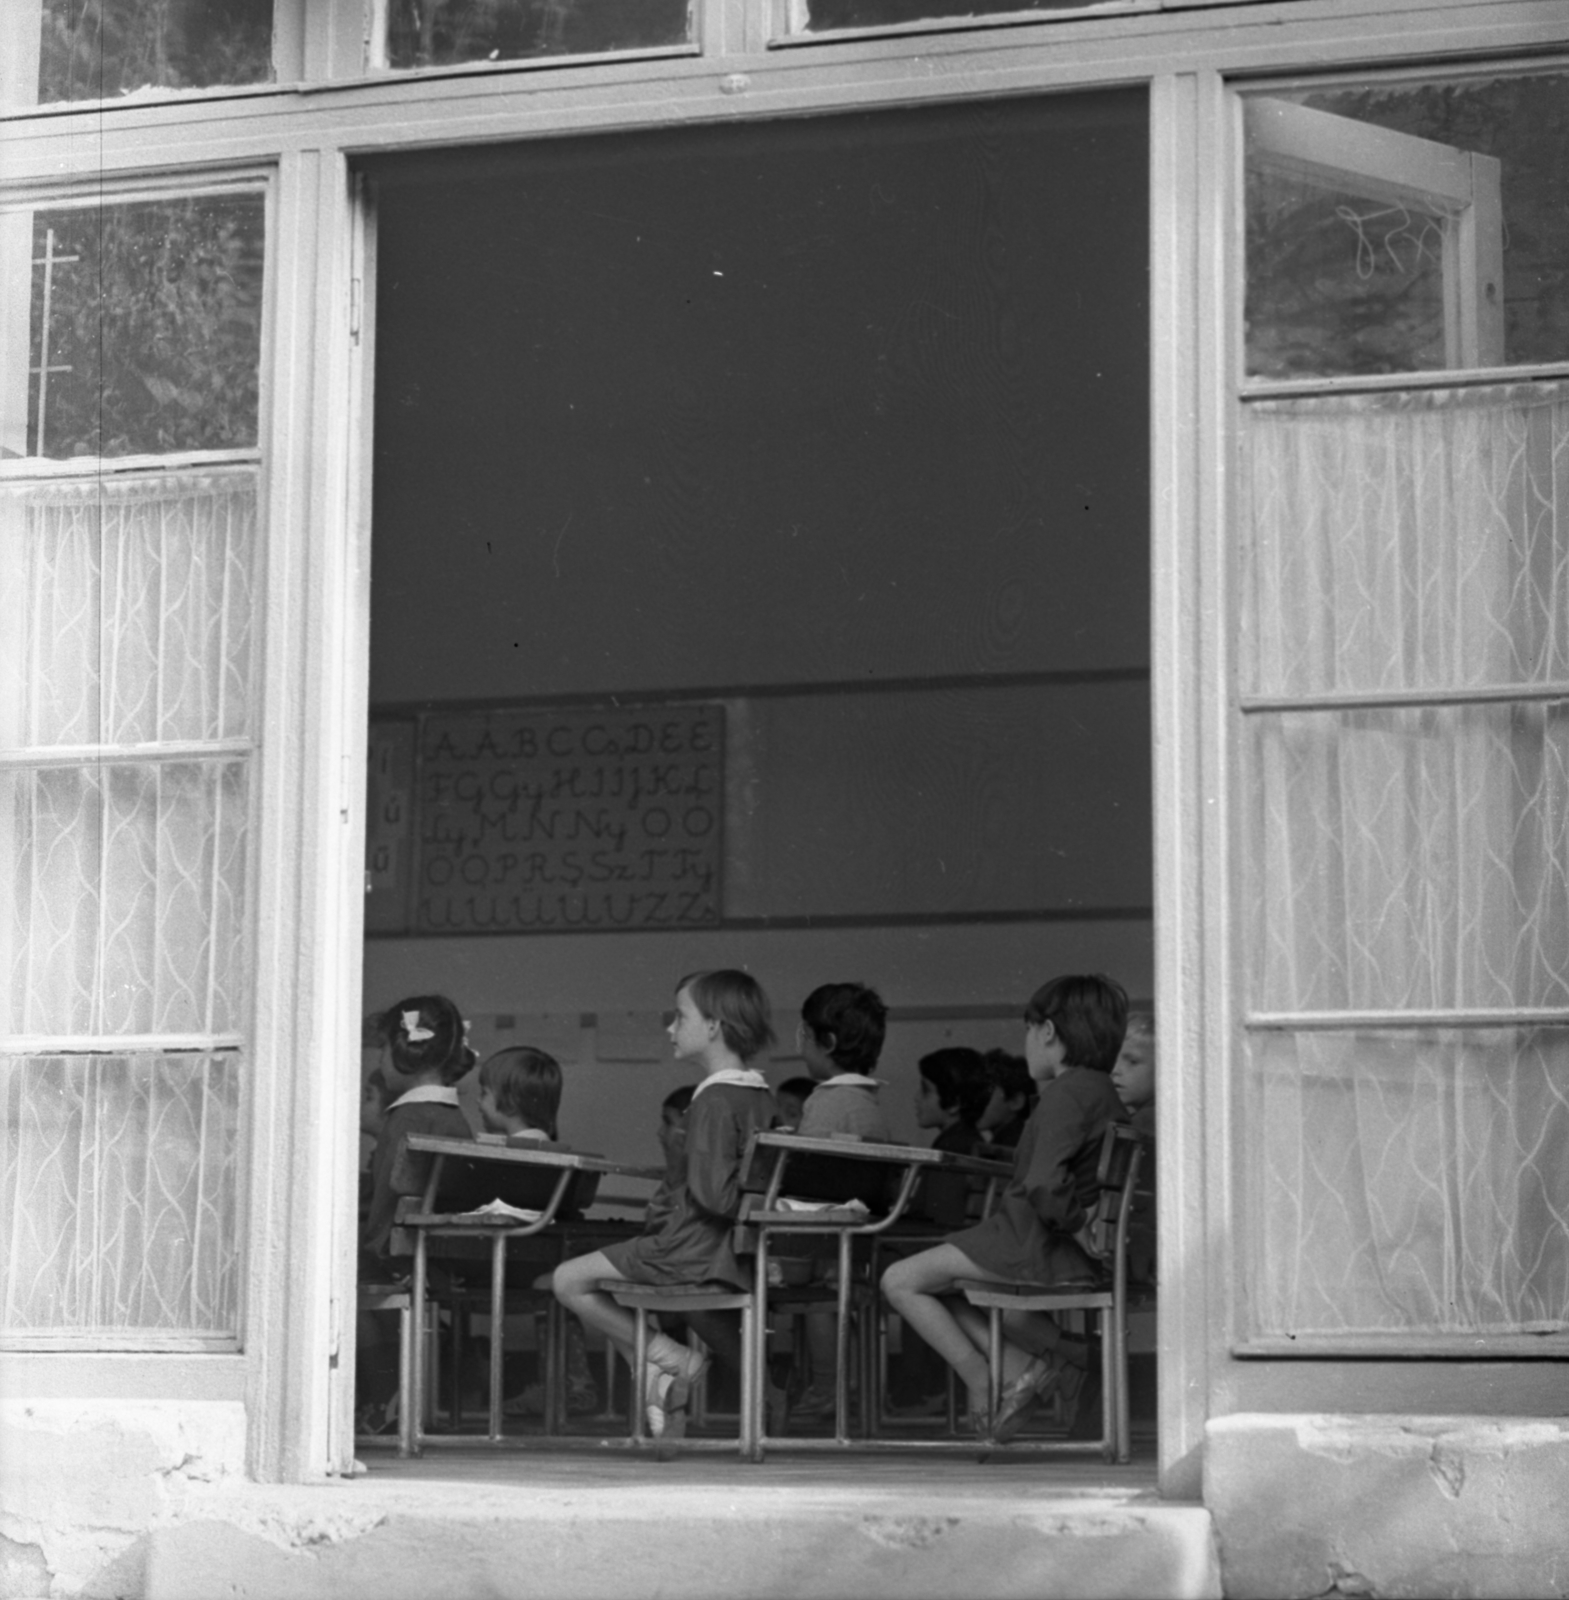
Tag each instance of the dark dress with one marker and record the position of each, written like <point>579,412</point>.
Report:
<point>944,1197</point>
<point>692,1244</point>
<point>396,1171</point>
<point>1029,1236</point>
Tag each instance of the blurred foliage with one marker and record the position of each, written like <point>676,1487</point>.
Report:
<point>95,49</point>
<point>159,319</point>
<point>1338,284</point>
<point>434,33</point>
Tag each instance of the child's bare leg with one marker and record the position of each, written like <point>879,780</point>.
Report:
<point>573,1284</point>
<point>915,1287</point>
<point>1016,1353</point>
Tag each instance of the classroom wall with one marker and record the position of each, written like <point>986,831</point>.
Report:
<point>842,422</point>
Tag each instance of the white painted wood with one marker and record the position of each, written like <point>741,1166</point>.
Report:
<point>1175,612</point>
<point>307,978</point>
<point>413,111</point>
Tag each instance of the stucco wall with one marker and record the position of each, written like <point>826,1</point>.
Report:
<point>82,1482</point>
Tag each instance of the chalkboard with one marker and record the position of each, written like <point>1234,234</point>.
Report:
<point>546,820</point>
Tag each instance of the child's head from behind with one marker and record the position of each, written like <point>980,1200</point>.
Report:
<point>427,1039</point>
<point>1133,1076</point>
<point>792,1096</point>
<point>953,1087</point>
<point>520,1087</point>
<point>1078,1021</point>
<point>842,1029</point>
<point>732,1004</point>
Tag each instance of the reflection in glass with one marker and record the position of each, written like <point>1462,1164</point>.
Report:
<point>94,49</point>
<point>145,328</point>
<point>1407,228</point>
<point>437,33</point>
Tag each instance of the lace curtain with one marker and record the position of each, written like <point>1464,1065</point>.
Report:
<point>1408,1176</point>
<point>125,716</point>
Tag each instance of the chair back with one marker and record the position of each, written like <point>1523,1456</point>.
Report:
<point>1104,1235</point>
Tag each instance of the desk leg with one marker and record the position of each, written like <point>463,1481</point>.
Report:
<point>411,1364</point>
<point>498,1311</point>
<point>842,1344</point>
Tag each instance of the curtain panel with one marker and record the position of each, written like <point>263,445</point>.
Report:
<point>1407,853</point>
<point>126,713</point>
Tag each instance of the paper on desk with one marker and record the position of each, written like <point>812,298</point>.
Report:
<point>789,1203</point>
<point>497,1210</point>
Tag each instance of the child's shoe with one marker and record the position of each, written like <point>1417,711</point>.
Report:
<point>815,1400</point>
<point>669,1389</point>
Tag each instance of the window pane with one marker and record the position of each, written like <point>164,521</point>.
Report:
<point>96,49</point>
<point>1407,228</point>
<point>145,329</point>
<point>125,909</point>
<point>129,608</point>
<point>819,16</point>
<point>1398,542</point>
<point>1409,859</point>
<point>118,1177</point>
<point>1408,1180</point>
<point>437,33</point>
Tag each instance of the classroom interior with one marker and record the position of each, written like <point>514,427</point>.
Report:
<point>840,426</point>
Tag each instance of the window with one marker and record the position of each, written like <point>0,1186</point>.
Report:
<point>1404,665</point>
<point>129,543</point>
<point>65,50</point>
<point>439,33</point>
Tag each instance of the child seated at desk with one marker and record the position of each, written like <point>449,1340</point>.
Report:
<point>1073,1032</point>
<point>792,1096</point>
<point>1133,1078</point>
<point>520,1097</point>
<point>426,1052</point>
<point>1010,1102</point>
<point>952,1092</point>
<point>721,1023</point>
<point>841,1036</point>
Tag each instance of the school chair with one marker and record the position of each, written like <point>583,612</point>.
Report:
<point>682,1299</point>
<point>1104,1239</point>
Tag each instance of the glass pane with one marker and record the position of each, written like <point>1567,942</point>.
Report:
<point>118,1177</point>
<point>1416,541</point>
<point>125,912</point>
<point>437,33</point>
<point>818,16</point>
<point>1413,859</point>
<point>129,607</point>
<point>95,49</point>
<point>1377,242</point>
<point>1408,1181</point>
<point>145,329</point>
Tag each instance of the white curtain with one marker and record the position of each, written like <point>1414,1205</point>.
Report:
<point>128,606</point>
<point>1408,1180</point>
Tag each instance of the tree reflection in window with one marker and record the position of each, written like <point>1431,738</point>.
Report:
<point>434,33</point>
<point>95,49</point>
<point>146,327</point>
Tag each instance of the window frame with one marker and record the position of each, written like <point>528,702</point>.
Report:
<point>307,134</point>
<point>1245,390</point>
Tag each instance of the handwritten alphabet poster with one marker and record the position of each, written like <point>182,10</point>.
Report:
<point>548,821</point>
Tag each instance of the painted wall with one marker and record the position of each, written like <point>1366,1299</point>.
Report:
<point>843,422</point>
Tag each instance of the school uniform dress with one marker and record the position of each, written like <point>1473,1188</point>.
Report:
<point>847,1103</point>
<point>692,1244</point>
<point>943,1198</point>
<point>396,1171</point>
<point>1029,1235</point>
